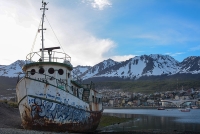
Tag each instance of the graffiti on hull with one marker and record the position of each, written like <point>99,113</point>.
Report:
<point>58,112</point>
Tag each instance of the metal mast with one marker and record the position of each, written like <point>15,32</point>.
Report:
<point>43,5</point>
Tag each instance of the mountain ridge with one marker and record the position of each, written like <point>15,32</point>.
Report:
<point>133,68</point>
<point>13,69</point>
<point>149,65</point>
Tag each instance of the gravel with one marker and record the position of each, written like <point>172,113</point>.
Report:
<point>10,122</point>
<point>23,131</point>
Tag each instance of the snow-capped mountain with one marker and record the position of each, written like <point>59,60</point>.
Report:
<point>93,71</point>
<point>191,65</point>
<point>13,69</point>
<point>79,70</point>
<point>139,66</point>
<point>134,68</point>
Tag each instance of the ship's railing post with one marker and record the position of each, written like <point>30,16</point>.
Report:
<point>52,57</point>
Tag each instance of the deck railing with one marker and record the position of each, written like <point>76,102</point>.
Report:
<point>54,56</point>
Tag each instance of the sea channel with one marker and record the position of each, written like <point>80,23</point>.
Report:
<point>168,120</point>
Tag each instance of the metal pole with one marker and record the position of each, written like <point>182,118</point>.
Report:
<point>42,32</point>
<point>43,4</point>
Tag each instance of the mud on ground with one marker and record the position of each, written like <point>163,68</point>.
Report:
<point>9,117</point>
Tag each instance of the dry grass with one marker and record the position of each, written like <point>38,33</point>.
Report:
<point>10,103</point>
<point>110,120</point>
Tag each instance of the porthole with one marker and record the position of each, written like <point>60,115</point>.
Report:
<point>32,71</point>
<point>60,71</point>
<point>51,70</point>
<point>41,70</point>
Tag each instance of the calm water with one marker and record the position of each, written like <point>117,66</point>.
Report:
<point>157,120</point>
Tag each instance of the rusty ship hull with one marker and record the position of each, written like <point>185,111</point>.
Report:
<point>50,108</point>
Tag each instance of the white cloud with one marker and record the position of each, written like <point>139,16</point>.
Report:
<point>195,48</point>
<point>164,38</point>
<point>122,58</point>
<point>16,30</point>
<point>82,45</point>
<point>147,36</point>
<point>19,23</point>
<point>175,54</point>
<point>99,4</point>
<point>88,50</point>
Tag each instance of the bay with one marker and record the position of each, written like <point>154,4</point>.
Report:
<point>169,120</point>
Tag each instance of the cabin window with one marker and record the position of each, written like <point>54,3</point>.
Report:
<point>96,99</point>
<point>68,75</point>
<point>41,70</point>
<point>51,70</point>
<point>72,89</point>
<point>77,93</point>
<point>60,71</point>
<point>32,71</point>
<point>92,98</point>
<point>74,92</point>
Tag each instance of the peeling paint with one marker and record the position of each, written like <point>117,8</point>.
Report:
<point>45,115</point>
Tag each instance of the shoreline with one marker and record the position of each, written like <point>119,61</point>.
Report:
<point>11,123</point>
<point>23,131</point>
<point>140,107</point>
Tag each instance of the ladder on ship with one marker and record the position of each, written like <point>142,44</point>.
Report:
<point>86,94</point>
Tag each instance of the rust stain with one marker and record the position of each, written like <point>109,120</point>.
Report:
<point>38,123</point>
<point>95,104</point>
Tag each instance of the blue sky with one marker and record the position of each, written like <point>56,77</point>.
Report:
<point>91,31</point>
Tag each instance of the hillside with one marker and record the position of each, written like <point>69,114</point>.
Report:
<point>154,83</point>
<point>7,83</point>
<point>144,84</point>
<point>158,72</point>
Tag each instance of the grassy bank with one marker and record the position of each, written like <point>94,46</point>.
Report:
<point>10,103</point>
<point>110,120</point>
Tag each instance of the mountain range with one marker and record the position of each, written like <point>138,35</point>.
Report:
<point>139,66</point>
<point>134,68</point>
<point>13,69</point>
